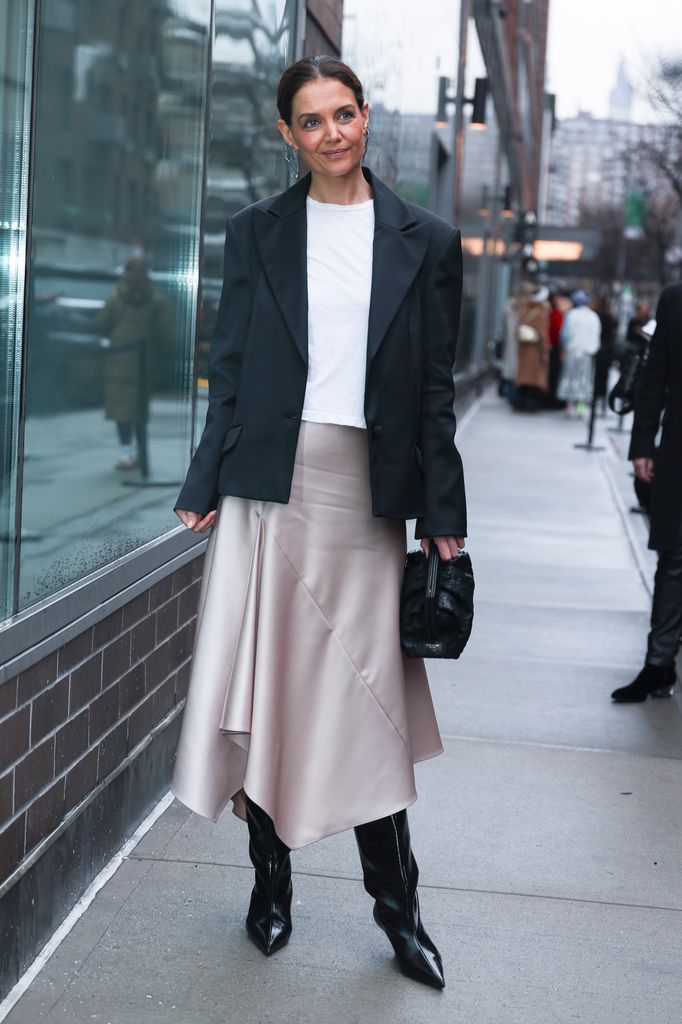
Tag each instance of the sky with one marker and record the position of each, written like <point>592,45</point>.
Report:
<point>588,38</point>
<point>403,45</point>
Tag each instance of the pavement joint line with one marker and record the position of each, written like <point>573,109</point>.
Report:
<point>428,885</point>
<point>612,751</point>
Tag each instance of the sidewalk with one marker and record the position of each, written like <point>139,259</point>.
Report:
<point>548,834</point>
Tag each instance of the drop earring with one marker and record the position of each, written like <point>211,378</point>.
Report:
<point>291,157</point>
<point>366,136</point>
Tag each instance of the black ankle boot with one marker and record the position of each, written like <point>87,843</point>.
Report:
<point>391,874</point>
<point>652,681</point>
<point>269,919</point>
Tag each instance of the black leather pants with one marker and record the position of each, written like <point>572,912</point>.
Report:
<point>666,613</point>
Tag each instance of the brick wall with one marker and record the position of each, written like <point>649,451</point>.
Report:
<point>69,721</point>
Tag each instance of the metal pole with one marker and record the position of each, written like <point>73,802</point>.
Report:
<point>464,15</point>
<point>589,446</point>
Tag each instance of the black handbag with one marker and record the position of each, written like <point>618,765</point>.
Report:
<point>436,604</point>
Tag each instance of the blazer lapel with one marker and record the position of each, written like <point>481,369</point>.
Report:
<point>281,237</point>
<point>399,248</point>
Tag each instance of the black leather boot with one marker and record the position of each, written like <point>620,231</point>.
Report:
<point>652,681</point>
<point>391,874</point>
<point>269,919</point>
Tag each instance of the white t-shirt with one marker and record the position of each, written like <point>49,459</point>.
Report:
<point>340,242</point>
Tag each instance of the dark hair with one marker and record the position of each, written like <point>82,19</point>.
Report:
<point>309,69</point>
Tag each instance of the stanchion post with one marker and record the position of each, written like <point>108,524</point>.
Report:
<point>589,446</point>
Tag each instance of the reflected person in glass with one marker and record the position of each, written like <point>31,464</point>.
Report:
<point>330,423</point>
<point>137,325</point>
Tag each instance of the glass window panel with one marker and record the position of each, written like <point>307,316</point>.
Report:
<point>254,41</point>
<point>16,56</point>
<point>119,142</point>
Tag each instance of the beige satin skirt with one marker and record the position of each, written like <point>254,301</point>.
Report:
<point>300,695</point>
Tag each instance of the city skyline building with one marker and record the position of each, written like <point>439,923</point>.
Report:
<point>621,96</point>
<point>593,164</point>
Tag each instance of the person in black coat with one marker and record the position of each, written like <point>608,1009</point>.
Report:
<point>660,397</point>
<point>609,327</point>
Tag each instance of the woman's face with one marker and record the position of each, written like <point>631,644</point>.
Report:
<point>327,127</point>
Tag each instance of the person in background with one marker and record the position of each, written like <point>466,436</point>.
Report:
<point>659,398</point>
<point>135,322</point>
<point>532,334</point>
<point>605,355</point>
<point>560,304</point>
<point>635,338</point>
<point>580,338</point>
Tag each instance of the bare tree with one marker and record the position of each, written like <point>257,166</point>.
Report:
<point>642,258</point>
<point>665,95</point>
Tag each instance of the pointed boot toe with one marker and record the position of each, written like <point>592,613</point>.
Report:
<point>415,953</point>
<point>631,694</point>
<point>652,681</point>
<point>269,927</point>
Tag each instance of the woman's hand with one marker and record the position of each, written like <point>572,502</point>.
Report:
<point>194,521</point>
<point>448,547</point>
<point>644,469</point>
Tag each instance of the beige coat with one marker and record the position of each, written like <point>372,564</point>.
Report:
<point>533,357</point>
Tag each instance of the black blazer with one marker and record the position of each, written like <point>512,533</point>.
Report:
<point>259,355</point>
<point>660,394</point>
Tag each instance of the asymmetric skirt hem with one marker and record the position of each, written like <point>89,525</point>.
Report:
<point>299,693</point>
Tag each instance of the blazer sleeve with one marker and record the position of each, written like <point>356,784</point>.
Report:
<point>444,497</point>
<point>200,490</point>
<point>653,388</point>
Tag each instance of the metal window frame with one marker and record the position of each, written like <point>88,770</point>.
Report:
<point>35,633</point>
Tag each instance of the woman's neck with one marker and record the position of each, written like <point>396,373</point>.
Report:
<point>344,191</point>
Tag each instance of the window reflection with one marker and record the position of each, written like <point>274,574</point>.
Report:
<point>253,43</point>
<point>121,95</point>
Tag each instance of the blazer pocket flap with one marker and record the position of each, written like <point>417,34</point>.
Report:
<point>231,437</point>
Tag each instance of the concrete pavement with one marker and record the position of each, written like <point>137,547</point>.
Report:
<point>548,834</point>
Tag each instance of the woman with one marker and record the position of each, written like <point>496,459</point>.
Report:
<point>330,422</point>
<point>532,335</point>
<point>581,337</point>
